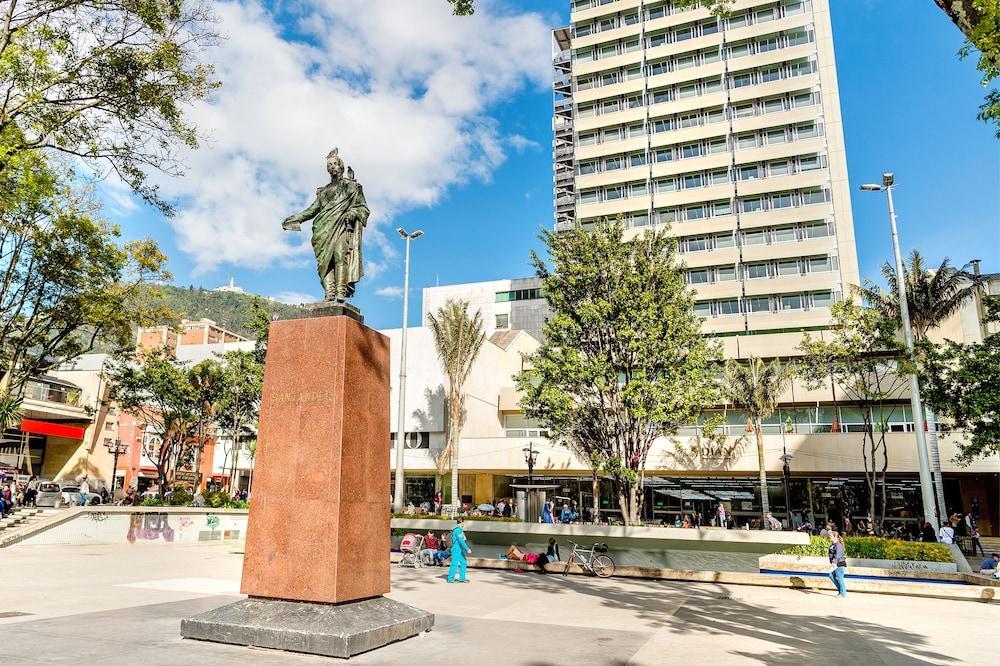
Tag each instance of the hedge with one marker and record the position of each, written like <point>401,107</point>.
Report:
<point>876,548</point>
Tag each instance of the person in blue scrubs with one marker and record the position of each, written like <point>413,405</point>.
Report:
<point>459,548</point>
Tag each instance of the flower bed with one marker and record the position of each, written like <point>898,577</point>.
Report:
<point>876,548</point>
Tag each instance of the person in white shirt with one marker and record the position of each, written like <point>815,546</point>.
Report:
<point>773,523</point>
<point>946,534</point>
<point>84,491</point>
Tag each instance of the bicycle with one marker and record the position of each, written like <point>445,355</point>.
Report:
<point>600,565</point>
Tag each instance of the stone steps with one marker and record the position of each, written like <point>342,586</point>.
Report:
<point>23,516</point>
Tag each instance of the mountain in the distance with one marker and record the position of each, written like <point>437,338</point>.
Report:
<point>228,309</point>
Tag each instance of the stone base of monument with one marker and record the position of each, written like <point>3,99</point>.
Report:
<point>332,630</point>
<point>326,309</point>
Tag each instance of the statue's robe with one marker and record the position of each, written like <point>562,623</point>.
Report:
<point>339,214</point>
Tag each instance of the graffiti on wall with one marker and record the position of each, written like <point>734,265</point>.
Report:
<point>149,527</point>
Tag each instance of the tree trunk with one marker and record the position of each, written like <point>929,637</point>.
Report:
<point>456,496</point>
<point>634,509</point>
<point>764,503</point>
<point>623,505</point>
<point>596,486</point>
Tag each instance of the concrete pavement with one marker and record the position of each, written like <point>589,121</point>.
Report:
<point>123,604</point>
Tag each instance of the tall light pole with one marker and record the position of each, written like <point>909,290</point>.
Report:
<point>530,457</point>
<point>926,485</point>
<point>399,486</point>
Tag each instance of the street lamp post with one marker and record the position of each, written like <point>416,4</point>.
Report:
<point>399,486</point>
<point>530,456</point>
<point>116,447</point>
<point>926,485</point>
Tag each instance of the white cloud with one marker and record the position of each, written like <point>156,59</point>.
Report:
<point>294,297</point>
<point>389,292</point>
<point>404,89</point>
<point>521,143</point>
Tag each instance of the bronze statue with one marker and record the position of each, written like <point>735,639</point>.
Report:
<point>339,214</point>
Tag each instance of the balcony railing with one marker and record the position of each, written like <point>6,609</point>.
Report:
<point>45,392</point>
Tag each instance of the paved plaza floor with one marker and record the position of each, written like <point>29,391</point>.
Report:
<point>124,604</point>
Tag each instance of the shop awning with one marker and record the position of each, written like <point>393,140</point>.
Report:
<point>53,429</point>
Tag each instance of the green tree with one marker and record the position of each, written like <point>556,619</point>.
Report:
<point>206,380</point>
<point>963,383</point>
<point>861,360</point>
<point>156,388</point>
<point>66,285</point>
<point>624,361</point>
<point>931,297</point>
<point>238,406</point>
<point>106,81</point>
<point>756,387</point>
<point>458,338</point>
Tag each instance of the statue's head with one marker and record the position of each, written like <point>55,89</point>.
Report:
<point>334,165</point>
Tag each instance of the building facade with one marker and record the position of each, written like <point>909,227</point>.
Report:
<point>726,130</point>
<point>187,332</point>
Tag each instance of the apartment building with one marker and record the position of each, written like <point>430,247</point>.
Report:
<point>727,130</point>
<point>505,305</point>
<point>187,332</point>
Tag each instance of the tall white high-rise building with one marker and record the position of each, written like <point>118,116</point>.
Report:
<point>728,130</point>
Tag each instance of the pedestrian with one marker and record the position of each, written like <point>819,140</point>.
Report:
<point>552,554</point>
<point>773,523</point>
<point>721,512</point>
<point>947,533</point>
<point>501,508</point>
<point>547,513</point>
<point>927,533</point>
<point>565,516</point>
<point>976,543</point>
<point>31,492</point>
<point>837,555</point>
<point>84,491</point>
<point>437,503</point>
<point>459,548</point>
<point>990,563</point>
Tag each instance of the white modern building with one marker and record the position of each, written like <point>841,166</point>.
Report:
<point>727,130</point>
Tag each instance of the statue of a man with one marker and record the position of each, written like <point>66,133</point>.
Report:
<point>339,214</point>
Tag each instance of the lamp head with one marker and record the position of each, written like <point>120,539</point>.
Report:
<point>417,234</point>
<point>871,187</point>
<point>888,179</point>
<point>401,231</point>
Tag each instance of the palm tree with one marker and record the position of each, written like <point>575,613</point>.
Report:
<point>756,387</point>
<point>931,296</point>
<point>458,338</point>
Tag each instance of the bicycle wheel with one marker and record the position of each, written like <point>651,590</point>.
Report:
<point>569,563</point>
<point>603,566</point>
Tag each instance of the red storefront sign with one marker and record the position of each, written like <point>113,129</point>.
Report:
<point>53,429</point>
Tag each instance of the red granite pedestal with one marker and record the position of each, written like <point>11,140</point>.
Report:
<point>318,531</point>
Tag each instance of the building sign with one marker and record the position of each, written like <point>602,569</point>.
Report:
<point>53,429</point>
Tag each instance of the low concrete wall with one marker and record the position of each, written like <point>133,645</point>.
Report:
<point>894,568</point>
<point>142,525</point>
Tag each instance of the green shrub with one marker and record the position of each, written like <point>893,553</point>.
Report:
<point>917,551</point>
<point>876,548</point>
<point>218,500</point>
<point>151,501</point>
<point>180,498</point>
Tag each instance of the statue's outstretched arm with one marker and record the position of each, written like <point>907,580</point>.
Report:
<point>294,222</point>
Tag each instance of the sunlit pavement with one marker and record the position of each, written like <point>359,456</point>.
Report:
<point>123,604</point>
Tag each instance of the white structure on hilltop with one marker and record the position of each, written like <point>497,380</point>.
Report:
<point>231,287</point>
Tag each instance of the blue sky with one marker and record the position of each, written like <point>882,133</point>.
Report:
<point>449,131</point>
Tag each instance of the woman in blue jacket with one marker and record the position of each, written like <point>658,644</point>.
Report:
<point>459,548</point>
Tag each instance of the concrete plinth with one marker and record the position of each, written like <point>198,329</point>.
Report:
<point>332,630</point>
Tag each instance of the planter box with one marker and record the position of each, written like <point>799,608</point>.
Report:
<point>890,567</point>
